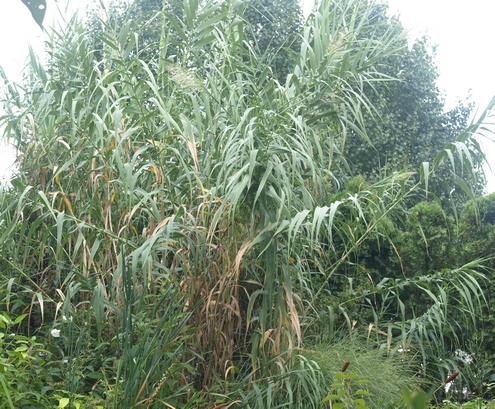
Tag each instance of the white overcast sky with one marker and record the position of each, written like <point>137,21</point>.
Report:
<point>465,35</point>
<point>463,31</point>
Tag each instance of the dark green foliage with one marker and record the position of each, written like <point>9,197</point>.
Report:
<point>477,219</point>
<point>274,27</point>
<point>409,124</point>
<point>24,377</point>
<point>144,19</point>
<point>477,239</point>
<point>426,246</point>
<point>419,253</point>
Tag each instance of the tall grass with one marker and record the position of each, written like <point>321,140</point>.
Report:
<point>386,375</point>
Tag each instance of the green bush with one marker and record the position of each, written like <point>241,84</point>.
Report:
<point>476,239</point>
<point>22,375</point>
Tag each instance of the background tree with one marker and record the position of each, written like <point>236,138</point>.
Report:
<point>410,123</point>
<point>477,239</point>
<point>274,28</point>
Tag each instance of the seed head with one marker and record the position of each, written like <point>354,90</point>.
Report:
<point>346,364</point>
<point>452,377</point>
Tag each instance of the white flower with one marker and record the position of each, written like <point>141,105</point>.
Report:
<point>55,333</point>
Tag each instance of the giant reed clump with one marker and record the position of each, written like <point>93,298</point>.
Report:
<point>180,206</point>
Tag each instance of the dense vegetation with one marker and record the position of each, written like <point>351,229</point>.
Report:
<point>195,221</point>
